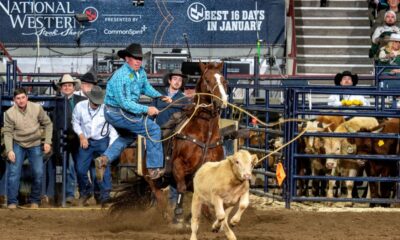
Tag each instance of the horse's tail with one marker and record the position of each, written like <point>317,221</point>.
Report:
<point>136,195</point>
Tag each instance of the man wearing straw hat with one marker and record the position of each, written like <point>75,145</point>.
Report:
<point>128,116</point>
<point>95,135</point>
<point>67,88</point>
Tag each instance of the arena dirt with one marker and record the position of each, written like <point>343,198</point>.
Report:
<point>265,220</point>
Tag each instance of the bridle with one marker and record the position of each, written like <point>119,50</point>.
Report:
<point>214,107</point>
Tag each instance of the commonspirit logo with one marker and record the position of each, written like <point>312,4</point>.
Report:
<point>196,12</point>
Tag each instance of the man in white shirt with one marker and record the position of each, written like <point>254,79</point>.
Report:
<point>344,79</point>
<point>95,135</point>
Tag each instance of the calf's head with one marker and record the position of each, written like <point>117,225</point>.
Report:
<point>337,146</point>
<point>242,164</point>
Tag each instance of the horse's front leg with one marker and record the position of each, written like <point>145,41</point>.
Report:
<point>160,198</point>
<point>179,176</point>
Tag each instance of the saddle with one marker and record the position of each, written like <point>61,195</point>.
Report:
<point>174,124</point>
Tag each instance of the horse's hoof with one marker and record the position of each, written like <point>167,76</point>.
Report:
<point>178,225</point>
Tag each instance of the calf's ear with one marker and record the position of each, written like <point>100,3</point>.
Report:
<point>254,159</point>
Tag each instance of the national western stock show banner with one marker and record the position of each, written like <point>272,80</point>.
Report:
<point>116,23</point>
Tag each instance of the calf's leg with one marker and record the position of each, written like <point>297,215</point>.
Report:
<point>196,211</point>
<point>243,204</point>
<point>219,213</point>
<point>350,185</point>
<point>228,231</point>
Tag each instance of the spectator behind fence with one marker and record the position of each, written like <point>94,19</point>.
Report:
<point>127,115</point>
<point>374,7</point>
<point>344,79</point>
<point>382,33</point>
<point>390,53</point>
<point>95,135</point>
<point>23,123</point>
<point>387,28</point>
<point>88,80</point>
<point>67,87</point>
<point>391,5</point>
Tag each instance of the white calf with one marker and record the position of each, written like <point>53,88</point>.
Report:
<point>222,185</point>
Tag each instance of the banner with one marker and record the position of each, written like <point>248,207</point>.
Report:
<point>116,23</point>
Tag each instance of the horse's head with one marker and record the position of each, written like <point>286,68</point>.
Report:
<point>212,81</point>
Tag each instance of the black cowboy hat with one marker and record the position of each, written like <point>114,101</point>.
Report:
<point>175,72</point>
<point>133,50</point>
<point>339,77</point>
<point>96,95</point>
<point>88,78</point>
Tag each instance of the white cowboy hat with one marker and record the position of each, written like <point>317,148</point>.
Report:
<point>66,78</point>
<point>394,37</point>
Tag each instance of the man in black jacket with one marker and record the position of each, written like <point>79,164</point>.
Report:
<point>67,88</point>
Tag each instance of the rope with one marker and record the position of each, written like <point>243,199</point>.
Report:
<point>198,105</point>
<point>241,110</point>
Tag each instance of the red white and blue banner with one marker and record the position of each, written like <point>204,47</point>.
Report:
<point>116,23</point>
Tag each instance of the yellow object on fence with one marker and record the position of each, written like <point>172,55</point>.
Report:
<point>280,174</point>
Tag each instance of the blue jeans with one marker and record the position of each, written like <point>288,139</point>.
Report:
<point>35,157</point>
<point>84,162</point>
<point>49,179</point>
<point>71,176</point>
<point>128,126</point>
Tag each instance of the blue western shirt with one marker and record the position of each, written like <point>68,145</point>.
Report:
<point>125,87</point>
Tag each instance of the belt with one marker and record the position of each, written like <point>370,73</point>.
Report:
<point>118,109</point>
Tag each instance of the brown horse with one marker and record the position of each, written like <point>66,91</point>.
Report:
<point>200,141</point>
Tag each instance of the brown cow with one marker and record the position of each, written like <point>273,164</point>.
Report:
<point>222,185</point>
<point>341,146</point>
<point>384,168</point>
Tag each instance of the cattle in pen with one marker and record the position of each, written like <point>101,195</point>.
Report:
<point>341,146</point>
<point>384,147</point>
<point>315,145</point>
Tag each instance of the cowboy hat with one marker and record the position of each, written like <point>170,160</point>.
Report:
<point>394,37</point>
<point>133,50</point>
<point>88,78</point>
<point>66,78</point>
<point>96,95</point>
<point>339,76</point>
<point>175,72</point>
